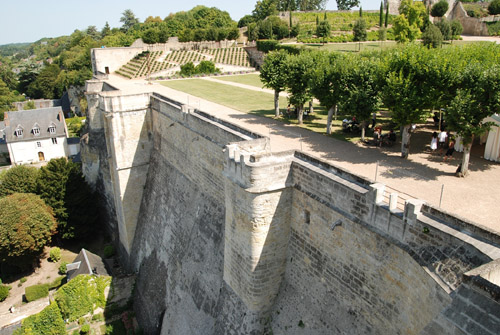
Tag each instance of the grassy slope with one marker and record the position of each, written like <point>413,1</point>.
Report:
<point>252,79</point>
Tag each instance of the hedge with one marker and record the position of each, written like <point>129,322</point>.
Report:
<point>48,321</point>
<point>36,292</point>
<point>4,292</point>
<point>271,45</point>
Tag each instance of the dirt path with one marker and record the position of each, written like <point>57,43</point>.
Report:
<point>422,176</point>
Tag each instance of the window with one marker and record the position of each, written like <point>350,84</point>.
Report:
<point>19,132</point>
<point>36,131</point>
<point>52,129</point>
<point>39,144</point>
<point>54,140</point>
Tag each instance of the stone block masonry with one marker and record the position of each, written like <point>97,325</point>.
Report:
<point>229,238</point>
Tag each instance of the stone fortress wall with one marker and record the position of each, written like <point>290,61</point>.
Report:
<point>228,238</point>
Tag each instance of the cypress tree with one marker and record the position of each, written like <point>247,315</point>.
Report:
<point>381,19</point>
<point>387,15</point>
<point>317,19</point>
<point>325,18</point>
<point>290,19</point>
<point>360,11</point>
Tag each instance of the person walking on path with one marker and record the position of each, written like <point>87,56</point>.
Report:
<point>434,142</point>
<point>450,151</point>
<point>374,119</point>
<point>442,140</point>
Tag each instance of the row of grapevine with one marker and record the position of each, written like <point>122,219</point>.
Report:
<point>142,65</point>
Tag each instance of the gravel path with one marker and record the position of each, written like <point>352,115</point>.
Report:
<point>422,176</point>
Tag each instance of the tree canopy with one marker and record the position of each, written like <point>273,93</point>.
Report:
<point>346,4</point>
<point>19,179</point>
<point>62,186</point>
<point>26,226</point>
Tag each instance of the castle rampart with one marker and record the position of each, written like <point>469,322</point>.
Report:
<point>230,238</point>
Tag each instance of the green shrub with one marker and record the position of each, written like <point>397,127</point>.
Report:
<point>445,28</point>
<point>456,28</point>
<point>81,321</point>
<point>57,282</point>
<point>359,30</point>
<point>55,254</point>
<point>48,321</point>
<point>85,329</point>
<point>494,7</point>
<point>98,317</point>
<point>267,45</point>
<point>440,8</point>
<point>432,37</point>
<point>382,34</point>
<point>62,268</point>
<point>187,70</point>
<point>22,280</point>
<point>36,292</point>
<point>109,251</point>
<point>493,28</point>
<point>4,292</point>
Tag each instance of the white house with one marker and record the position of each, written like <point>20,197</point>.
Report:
<point>35,135</point>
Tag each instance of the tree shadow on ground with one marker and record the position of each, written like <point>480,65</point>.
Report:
<point>328,148</point>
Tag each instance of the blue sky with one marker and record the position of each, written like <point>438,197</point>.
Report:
<point>30,20</point>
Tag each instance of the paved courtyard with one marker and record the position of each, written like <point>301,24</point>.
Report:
<point>423,176</point>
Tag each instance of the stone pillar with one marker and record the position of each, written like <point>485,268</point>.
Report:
<point>258,205</point>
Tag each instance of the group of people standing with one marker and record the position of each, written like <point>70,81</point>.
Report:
<point>439,141</point>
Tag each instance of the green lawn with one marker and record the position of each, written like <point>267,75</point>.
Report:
<point>247,79</point>
<point>241,99</point>
<point>261,103</point>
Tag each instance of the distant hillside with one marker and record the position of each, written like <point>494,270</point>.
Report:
<point>11,49</point>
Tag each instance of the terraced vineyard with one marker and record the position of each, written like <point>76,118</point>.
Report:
<point>143,65</point>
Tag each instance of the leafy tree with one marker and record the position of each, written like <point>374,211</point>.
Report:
<point>153,20</point>
<point>273,74</point>
<point>440,8</point>
<point>19,179</point>
<point>432,37</point>
<point>128,19</point>
<point>346,4</point>
<point>445,28</point>
<point>6,99</point>
<point>63,187</point>
<point>263,9</point>
<point>93,32</point>
<point>360,94</point>
<point>494,7</point>
<point>106,30</point>
<point>300,74</point>
<point>206,67</point>
<point>7,76</point>
<point>304,5</point>
<point>26,226</point>
<point>477,98</point>
<point>323,29</point>
<point>405,89</point>
<point>359,30</point>
<point>4,292</point>
<point>328,82</point>
<point>46,84</point>
<point>403,31</point>
<point>245,21</point>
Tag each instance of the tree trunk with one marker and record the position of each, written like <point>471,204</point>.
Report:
<point>311,109</point>
<point>329,120</point>
<point>464,171</point>
<point>276,103</point>
<point>405,141</point>
<point>300,113</point>
<point>363,130</point>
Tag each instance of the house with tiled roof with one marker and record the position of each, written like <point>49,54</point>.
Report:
<point>86,263</point>
<point>36,135</point>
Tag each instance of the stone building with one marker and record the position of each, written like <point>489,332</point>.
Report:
<point>36,135</point>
